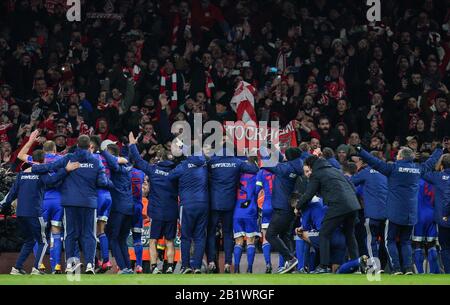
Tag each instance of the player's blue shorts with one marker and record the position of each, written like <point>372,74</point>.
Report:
<point>137,219</point>
<point>245,227</point>
<point>426,228</point>
<point>266,217</point>
<point>104,203</point>
<point>52,211</point>
<point>161,228</point>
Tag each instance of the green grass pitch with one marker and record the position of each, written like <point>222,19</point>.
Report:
<point>226,279</point>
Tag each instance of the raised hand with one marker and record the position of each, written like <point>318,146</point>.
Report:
<point>131,139</point>
<point>34,135</point>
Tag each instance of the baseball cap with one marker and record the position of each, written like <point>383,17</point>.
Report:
<point>105,144</point>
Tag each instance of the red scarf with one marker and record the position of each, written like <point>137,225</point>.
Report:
<point>163,87</point>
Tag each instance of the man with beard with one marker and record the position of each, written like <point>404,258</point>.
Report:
<point>328,138</point>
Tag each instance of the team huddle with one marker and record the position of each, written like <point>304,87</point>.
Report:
<point>306,208</point>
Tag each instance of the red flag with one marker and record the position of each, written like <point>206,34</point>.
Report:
<point>243,102</point>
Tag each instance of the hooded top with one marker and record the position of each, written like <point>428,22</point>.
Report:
<point>163,193</point>
<point>441,183</point>
<point>374,192</point>
<point>224,175</point>
<point>285,177</point>
<point>192,177</point>
<point>337,192</point>
<point>107,135</point>
<point>403,185</point>
<point>79,188</point>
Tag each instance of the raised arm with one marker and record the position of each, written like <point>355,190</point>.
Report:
<point>379,165</point>
<point>23,153</point>
<point>138,161</point>
<point>112,161</point>
<point>136,156</point>
<point>176,173</point>
<point>428,165</point>
<point>430,177</point>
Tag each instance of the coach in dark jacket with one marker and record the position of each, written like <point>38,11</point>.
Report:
<point>340,196</point>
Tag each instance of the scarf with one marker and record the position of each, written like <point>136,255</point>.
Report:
<point>163,87</point>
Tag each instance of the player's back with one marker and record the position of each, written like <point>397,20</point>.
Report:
<point>80,186</point>
<point>137,179</point>
<point>246,206</point>
<point>425,200</point>
<point>30,193</point>
<point>192,177</point>
<point>224,176</point>
<point>266,179</point>
<point>102,159</point>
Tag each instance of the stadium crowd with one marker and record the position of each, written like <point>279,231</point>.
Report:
<point>343,84</point>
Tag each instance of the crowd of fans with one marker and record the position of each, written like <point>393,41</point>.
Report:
<point>343,80</point>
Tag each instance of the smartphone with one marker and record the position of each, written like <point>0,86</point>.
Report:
<point>273,70</point>
<point>246,64</point>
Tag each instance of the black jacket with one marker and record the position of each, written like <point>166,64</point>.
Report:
<point>337,192</point>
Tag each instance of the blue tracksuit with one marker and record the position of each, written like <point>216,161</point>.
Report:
<point>403,185</point>
<point>28,189</point>
<point>401,206</point>
<point>224,174</point>
<point>374,194</point>
<point>79,199</point>
<point>441,183</point>
<point>192,177</point>
<point>121,211</point>
<point>163,194</point>
<point>285,176</point>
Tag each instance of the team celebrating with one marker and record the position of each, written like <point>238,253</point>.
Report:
<point>307,208</point>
